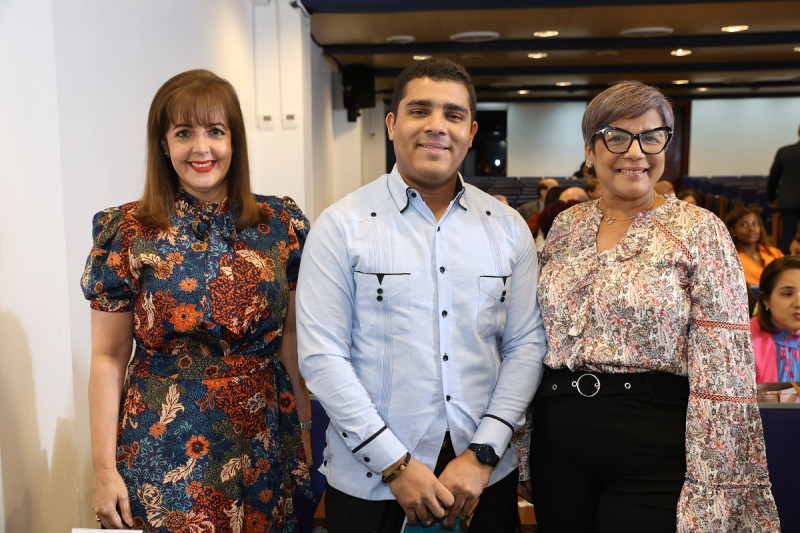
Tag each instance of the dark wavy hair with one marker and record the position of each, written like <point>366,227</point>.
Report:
<point>195,97</point>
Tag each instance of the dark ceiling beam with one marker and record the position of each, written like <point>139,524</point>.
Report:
<point>405,6</point>
<point>615,69</point>
<point>613,43</point>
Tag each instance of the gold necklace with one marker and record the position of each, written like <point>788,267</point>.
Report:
<point>611,220</point>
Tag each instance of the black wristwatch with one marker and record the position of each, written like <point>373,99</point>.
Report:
<point>485,454</point>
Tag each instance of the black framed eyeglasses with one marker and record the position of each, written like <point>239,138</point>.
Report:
<point>619,141</point>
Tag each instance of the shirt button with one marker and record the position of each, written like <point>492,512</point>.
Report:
<point>369,474</point>
<point>366,459</point>
<point>446,357</point>
<point>413,195</point>
<point>504,293</point>
<point>444,313</point>
<point>380,298</point>
<point>344,434</point>
<point>502,298</point>
<point>373,214</point>
<point>380,291</point>
<point>325,462</point>
<point>438,228</point>
<point>489,213</point>
<point>447,397</point>
<point>441,269</point>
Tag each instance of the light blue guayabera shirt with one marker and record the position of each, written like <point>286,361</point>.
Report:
<point>408,326</point>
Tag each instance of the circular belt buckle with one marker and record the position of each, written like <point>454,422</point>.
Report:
<point>596,385</point>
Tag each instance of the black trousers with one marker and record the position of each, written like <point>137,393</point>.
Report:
<point>496,511</point>
<point>610,459</point>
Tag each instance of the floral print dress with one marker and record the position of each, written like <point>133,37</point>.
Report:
<point>208,435</point>
<point>669,297</point>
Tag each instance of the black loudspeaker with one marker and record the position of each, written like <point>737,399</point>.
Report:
<point>358,82</point>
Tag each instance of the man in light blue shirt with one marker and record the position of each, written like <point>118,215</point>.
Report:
<point>418,327</point>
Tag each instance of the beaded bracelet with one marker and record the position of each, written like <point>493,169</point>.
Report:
<point>305,426</point>
<point>397,471</point>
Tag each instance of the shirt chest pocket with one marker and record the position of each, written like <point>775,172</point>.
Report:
<point>383,302</point>
<point>493,304</point>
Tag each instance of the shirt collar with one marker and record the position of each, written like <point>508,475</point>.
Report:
<point>400,190</point>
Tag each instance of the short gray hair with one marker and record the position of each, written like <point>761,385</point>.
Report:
<point>628,99</point>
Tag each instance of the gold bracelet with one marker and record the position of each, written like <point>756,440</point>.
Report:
<point>397,471</point>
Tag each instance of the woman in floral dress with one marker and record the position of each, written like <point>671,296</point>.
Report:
<point>646,418</point>
<point>200,431</point>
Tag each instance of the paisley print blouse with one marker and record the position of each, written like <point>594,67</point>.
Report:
<point>669,297</point>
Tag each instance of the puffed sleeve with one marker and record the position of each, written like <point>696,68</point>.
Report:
<point>298,230</point>
<point>107,282</point>
<point>727,485</point>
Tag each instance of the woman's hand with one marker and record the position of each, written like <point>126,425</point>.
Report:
<point>111,503</point>
<point>306,436</point>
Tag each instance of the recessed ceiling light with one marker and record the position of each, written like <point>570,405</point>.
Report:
<point>796,48</point>
<point>647,31</point>
<point>680,52</point>
<point>421,57</point>
<point>523,91</point>
<point>471,57</point>
<point>537,55</point>
<point>680,82</point>
<point>734,29</point>
<point>400,39</point>
<point>545,33</point>
<point>606,53</point>
<point>474,36</point>
<point>563,83</point>
<point>702,89</point>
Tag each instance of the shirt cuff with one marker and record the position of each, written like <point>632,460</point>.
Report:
<point>495,432</point>
<point>379,451</point>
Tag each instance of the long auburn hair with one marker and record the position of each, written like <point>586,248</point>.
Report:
<point>195,97</point>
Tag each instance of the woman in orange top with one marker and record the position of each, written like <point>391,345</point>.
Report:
<point>750,239</point>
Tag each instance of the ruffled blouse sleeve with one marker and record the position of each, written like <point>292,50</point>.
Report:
<point>107,281</point>
<point>727,485</point>
<point>298,230</point>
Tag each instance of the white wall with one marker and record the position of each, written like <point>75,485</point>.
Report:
<point>37,425</point>
<point>740,137</point>
<point>544,139</point>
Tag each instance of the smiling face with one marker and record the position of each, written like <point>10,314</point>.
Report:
<point>432,131</point>
<point>784,301</point>
<point>747,230</point>
<point>632,175</point>
<point>201,156</point>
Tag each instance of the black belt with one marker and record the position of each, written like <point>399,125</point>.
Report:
<point>590,384</point>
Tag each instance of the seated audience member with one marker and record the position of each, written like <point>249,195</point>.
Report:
<point>664,187</point>
<point>540,223</point>
<point>552,195</point>
<point>688,196</point>
<point>755,253</point>
<point>501,198</point>
<point>529,208</point>
<point>586,171</point>
<point>776,326</point>
<point>593,189</point>
<point>574,193</point>
<point>794,246</point>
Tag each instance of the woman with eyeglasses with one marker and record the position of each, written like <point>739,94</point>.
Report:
<point>646,419</point>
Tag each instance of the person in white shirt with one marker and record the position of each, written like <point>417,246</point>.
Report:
<point>418,327</point>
